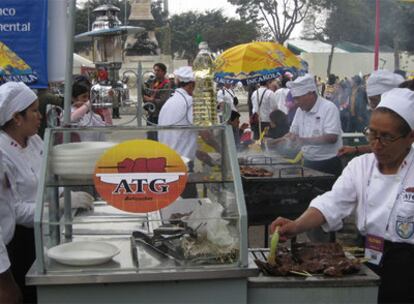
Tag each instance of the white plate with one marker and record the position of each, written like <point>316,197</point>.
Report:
<point>62,169</point>
<point>82,148</point>
<point>83,253</point>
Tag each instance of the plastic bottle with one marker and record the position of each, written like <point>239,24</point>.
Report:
<point>204,95</point>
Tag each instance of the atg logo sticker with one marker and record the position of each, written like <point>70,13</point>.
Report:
<point>140,176</point>
<point>408,195</point>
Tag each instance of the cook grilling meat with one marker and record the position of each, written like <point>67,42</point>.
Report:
<point>315,258</point>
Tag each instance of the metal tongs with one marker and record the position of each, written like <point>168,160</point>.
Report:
<point>162,241</point>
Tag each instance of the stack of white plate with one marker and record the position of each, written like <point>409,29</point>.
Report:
<point>78,160</point>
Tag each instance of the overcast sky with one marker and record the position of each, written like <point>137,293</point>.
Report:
<point>180,6</point>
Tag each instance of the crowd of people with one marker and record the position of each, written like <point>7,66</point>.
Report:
<point>301,112</point>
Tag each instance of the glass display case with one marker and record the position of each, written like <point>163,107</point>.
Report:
<point>112,201</point>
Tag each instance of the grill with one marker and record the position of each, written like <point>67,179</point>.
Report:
<point>364,278</point>
<point>287,193</point>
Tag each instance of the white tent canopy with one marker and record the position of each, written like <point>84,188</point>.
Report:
<point>79,62</point>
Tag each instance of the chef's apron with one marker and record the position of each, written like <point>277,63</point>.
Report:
<point>396,267</point>
<point>397,274</point>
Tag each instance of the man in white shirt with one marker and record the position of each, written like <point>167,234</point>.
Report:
<point>226,98</point>
<point>264,103</point>
<point>281,95</point>
<point>316,127</point>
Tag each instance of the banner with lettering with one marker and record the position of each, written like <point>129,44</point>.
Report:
<point>23,42</point>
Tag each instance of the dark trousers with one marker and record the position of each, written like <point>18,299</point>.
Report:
<point>397,274</point>
<point>331,166</point>
<point>115,113</point>
<point>346,120</point>
<point>22,255</point>
<point>152,121</point>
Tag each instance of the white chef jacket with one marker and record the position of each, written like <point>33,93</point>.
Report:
<point>384,204</point>
<point>23,171</point>
<point>178,111</point>
<point>281,96</point>
<point>322,119</point>
<point>7,212</point>
<point>267,106</point>
<point>4,257</point>
<point>227,96</point>
<point>7,218</point>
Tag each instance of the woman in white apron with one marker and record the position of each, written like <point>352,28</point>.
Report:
<point>380,187</point>
<point>22,151</point>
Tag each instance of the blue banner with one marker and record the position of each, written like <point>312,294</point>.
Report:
<point>23,42</point>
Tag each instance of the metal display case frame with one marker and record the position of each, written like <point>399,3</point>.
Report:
<point>59,229</point>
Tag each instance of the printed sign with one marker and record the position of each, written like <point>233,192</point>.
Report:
<point>23,42</point>
<point>140,176</point>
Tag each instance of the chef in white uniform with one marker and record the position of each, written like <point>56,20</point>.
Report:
<point>380,187</point>
<point>178,111</point>
<point>9,291</point>
<point>22,151</point>
<point>316,127</point>
<point>379,82</point>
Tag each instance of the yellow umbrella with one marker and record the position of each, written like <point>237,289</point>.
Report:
<point>255,62</point>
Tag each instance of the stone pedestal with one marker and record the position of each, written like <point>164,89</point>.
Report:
<point>141,11</point>
<point>131,62</point>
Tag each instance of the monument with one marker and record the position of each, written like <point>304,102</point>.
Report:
<point>144,43</point>
<point>145,48</point>
<point>141,11</point>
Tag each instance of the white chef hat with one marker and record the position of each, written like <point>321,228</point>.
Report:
<point>381,81</point>
<point>401,101</point>
<point>184,74</point>
<point>302,85</point>
<point>14,98</point>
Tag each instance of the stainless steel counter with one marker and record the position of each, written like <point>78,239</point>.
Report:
<point>135,262</point>
<point>113,276</point>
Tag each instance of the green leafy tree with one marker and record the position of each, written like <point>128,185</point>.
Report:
<point>354,21</point>
<point>219,31</point>
<point>279,16</point>
<point>397,20</point>
<point>339,20</point>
